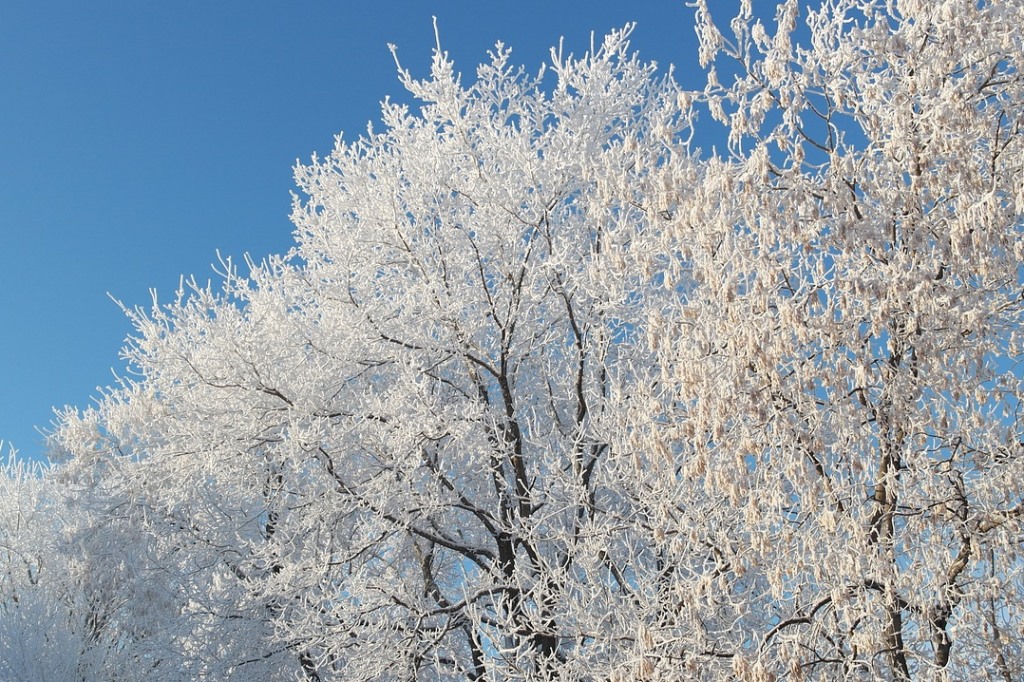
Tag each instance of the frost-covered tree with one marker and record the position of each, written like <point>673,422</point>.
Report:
<point>397,446</point>
<point>843,363</point>
<point>37,626</point>
<point>50,629</point>
<point>545,392</point>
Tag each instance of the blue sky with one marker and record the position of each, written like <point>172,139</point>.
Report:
<point>138,138</point>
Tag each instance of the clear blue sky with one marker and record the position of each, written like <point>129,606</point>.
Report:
<point>138,138</point>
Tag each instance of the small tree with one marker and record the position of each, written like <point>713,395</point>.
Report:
<point>48,628</point>
<point>543,392</point>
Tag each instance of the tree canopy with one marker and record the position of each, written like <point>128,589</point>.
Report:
<point>544,390</point>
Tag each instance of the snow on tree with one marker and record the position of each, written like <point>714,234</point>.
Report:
<point>545,392</point>
<point>49,627</point>
<point>844,361</point>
